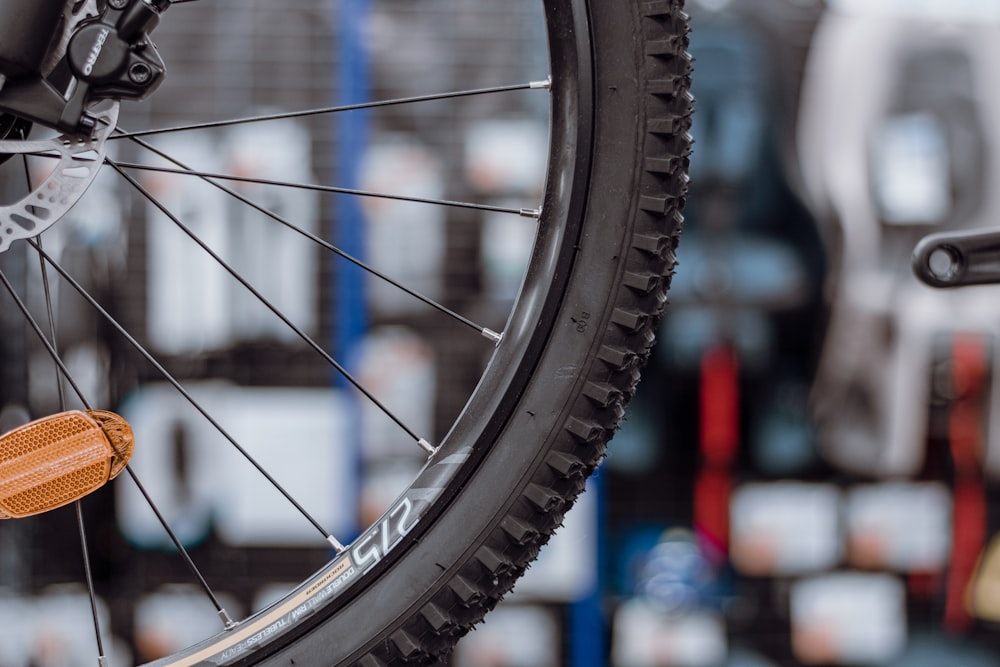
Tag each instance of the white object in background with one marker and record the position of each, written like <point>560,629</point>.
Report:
<point>505,249</point>
<point>535,633</point>
<point>872,385</point>
<point>504,157</point>
<point>282,264</point>
<point>785,528</point>
<point>644,637</point>
<point>56,627</point>
<point>506,161</point>
<point>194,304</point>
<point>397,366</point>
<point>911,174</point>
<point>187,293</point>
<point>954,10</point>
<point>404,240</point>
<point>300,436</point>
<point>848,618</point>
<point>905,526</point>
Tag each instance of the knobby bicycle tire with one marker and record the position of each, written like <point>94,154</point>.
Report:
<point>538,425</point>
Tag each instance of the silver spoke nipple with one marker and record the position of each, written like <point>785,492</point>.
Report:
<point>226,620</point>
<point>102,661</point>
<point>541,85</point>
<point>533,213</point>
<point>426,446</point>
<point>491,335</point>
<point>335,543</point>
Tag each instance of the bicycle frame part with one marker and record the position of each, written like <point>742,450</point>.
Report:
<point>27,30</point>
<point>106,55</point>
<point>958,259</point>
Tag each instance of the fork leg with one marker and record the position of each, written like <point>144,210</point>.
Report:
<point>27,29</point>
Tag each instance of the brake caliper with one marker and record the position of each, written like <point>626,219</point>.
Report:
<point>112,54</point>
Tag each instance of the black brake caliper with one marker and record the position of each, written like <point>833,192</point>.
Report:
<point>113,55</point>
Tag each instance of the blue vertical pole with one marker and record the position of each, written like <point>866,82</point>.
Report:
<point>587,626</point>
<point>351,131</point>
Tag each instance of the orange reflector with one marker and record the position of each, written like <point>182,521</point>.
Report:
<point>53,461</point>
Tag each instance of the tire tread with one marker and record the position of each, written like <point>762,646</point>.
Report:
<point>610,381</point>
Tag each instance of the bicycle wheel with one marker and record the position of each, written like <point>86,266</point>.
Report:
<point>499,482</point>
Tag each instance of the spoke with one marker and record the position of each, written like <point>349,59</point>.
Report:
<point>226,620</point>
<point>47,289</point>
<point>187,395</point>
<point>89,577</point>
<point>316,347</point>
<point>81,526</point>
<point>524,212</point>
<point>336,109</point>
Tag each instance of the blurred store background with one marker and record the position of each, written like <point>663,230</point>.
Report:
<point>807,476</point>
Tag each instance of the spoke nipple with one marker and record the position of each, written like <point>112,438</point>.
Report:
<point>489,334</point>
<point>102,661</point>
<point>427,447</point>
<point>541,85</point>
<point>226,620</point>
<point>534,213</point>
<point>335,543</point>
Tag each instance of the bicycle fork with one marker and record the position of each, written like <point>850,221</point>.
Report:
<point>57,57</point>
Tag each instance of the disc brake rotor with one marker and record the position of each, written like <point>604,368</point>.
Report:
<point>76,162</point>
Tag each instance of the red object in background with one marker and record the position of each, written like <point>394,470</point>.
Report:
<point>719,436</point>
<point>966,424</point>
<point>720,406</point>
<point>712,492</point>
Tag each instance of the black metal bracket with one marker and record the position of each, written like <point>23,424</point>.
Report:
<point>958,259</point>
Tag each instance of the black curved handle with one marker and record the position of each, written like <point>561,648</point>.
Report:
<point>957,260</point>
